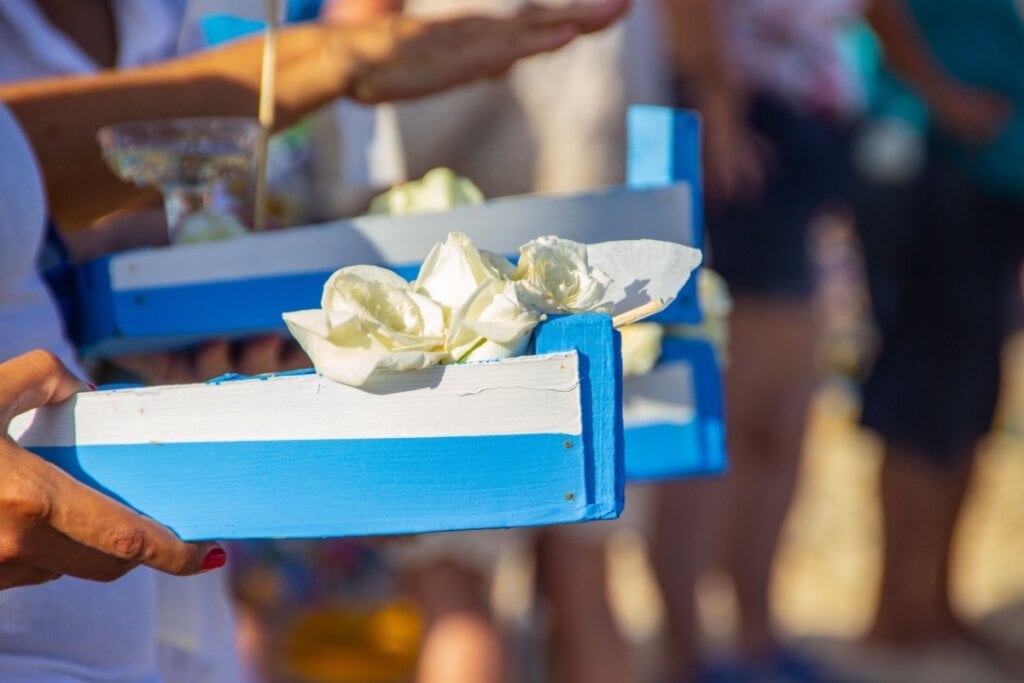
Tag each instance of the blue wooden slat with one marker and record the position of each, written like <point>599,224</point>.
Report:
<point>664,148</point>
<point>309,489</point>
<point>598,344</point>
<point>697,448</point>
<point>390,485</point>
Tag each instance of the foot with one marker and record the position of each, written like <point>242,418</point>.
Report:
<point>784,666</point>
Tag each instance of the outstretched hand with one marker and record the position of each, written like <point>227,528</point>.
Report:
<point>50,524</point>
<point>975,115</point>
<point>400,57</point>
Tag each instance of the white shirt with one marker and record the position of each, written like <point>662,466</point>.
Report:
<point>30,47</point>
<point>146,627</point>
<point>66,630</point>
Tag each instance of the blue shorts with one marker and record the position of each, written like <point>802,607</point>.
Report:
<point>941,259</point>
<point>762,245</point>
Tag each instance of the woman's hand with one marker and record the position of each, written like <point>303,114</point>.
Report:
<point>399,57</point>
<point>52,525</point>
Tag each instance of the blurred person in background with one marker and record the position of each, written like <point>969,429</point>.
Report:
<point>941,217</point>
<point>517,135</point>
<point>511,136</point>
<point>71,629</point>
<point>779,106</point>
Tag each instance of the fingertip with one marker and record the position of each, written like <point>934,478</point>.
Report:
<point>558,36</point>
<point>215,558</point>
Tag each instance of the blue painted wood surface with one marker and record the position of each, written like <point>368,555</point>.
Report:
<point>598,344</point>
<point>111,317</point>
<point>696,448</point>
<point>664,148</point>
<point>395,484</point>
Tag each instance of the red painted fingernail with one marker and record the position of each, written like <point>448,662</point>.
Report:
<point>214,559</point>
<point>92,387</point>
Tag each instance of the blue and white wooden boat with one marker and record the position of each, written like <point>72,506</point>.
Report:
<point>673,416</point>
<point>160,298</point>
<point>526,441</point>
<point>173,297</point>
<point>154,299</point>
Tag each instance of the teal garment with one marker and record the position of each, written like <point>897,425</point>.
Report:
<point>980,42</point>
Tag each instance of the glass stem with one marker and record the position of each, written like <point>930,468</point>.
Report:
<point>180,202</point>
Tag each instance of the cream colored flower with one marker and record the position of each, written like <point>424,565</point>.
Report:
<point>554,276</point>
<point>716,305</point>
<point>438,190</point>
<point>492,324</point>
<point>370,320</point>
<point>209,226</point>
<point>455,269</point>
<point>641,347</point>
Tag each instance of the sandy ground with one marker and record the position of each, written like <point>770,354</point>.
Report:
<point>827,569</point>
<point>828,566</point>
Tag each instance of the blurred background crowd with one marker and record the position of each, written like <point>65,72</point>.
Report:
<point>864,180</point>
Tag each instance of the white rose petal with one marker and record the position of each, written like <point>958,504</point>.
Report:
<point>454,269</point>
<point>554,277</point>
<point>716,305</point>
<point>438,190</point>
<point>641,347</point>
<point>492,324</point>
<point>370,320</point>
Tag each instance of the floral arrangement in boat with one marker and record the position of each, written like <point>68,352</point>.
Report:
<point>469,304</point>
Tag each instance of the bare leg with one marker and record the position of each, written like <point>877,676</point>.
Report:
<point>462,643</point>
<point>921,504</point>
<point>573,574</point>
<point>686,538</point>
<point>768,386</point>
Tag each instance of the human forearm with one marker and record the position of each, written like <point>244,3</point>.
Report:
<point>973,114</point>
<point>698,48</point>
<point>906,50</point>
<point>61,116</point>
<point>384,59</point>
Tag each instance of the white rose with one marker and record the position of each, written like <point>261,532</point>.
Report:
<point>438,190</point>
<point>641,347</point>
<point>554,276</point>
<point>370,320</point>
<point>208,226</point>
<point>492,324</point>
<point>455,269</point>
<point>716,305</point>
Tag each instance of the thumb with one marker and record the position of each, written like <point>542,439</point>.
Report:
<point>34,379</point>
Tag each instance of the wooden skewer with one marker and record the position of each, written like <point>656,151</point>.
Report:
<point>639,313</point>
<point>266,114</point>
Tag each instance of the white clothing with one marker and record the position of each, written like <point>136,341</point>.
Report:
<point>146,627</point>
<point>790,48</point>
<point>30,47</point>
<point>66,630</point>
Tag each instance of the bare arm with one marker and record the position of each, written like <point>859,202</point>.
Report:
<point>383,59</point>
<point>972,113</point>
<point>731,154</point>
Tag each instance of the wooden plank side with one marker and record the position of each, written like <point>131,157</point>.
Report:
<point>597,343</point>
<point>526,441</point>
<point>674,425</point>
<point>663,149</point>
<point>155,299</point>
